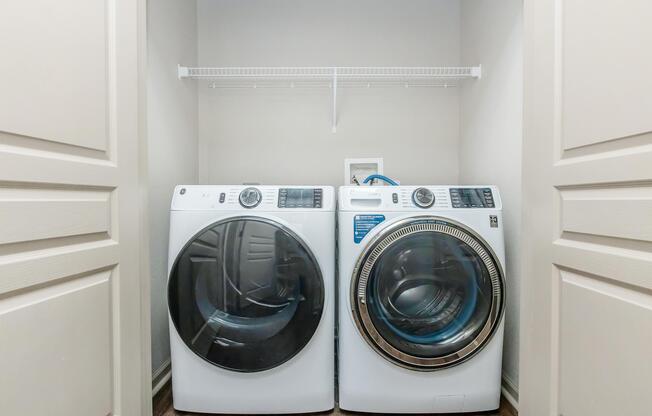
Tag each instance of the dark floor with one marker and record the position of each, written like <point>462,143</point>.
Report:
<point>163,407</point>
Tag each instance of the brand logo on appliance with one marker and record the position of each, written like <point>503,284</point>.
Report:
<point>493,221</point>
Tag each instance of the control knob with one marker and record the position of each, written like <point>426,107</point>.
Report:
<point>423,197</point>
<point>250,197</point>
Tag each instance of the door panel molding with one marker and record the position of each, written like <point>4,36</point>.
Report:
<point>56,264</point>
<point>587,201</point>
<point>605,71</point>
<point>614,147</point>
<point>632,267</point>
<point>624,168</point>
<point>608,211</point>
<point>78,308</point>
<point>32,220</point>
<point>38,146</point>
<point>49,46</point>
<point>585,339</point>
<point>55,170</point>
<point>73,284</point>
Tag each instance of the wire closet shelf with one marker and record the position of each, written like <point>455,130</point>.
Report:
<point>330,77</point>
<point>326,73</point>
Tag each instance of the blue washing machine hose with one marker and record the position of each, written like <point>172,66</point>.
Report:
<point>380,177</point>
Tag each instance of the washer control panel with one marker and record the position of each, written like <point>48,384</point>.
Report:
<point>300,197</point>
<point>472,198</point>
<point>419,198</point>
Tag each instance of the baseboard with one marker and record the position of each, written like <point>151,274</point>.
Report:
<point>510,391</point>
<point>161,376</point>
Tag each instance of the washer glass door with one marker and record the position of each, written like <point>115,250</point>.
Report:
<point>428,293</point>
<point>246,294</point>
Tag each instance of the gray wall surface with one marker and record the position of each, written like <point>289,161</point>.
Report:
<point>491,135</point>
<point>172,142</point>
<point>284,136</point>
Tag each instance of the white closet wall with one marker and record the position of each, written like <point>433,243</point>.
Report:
<point>466,134</point>
<point>491,136</point>
<point>172,142</point>
<point>284,135</point>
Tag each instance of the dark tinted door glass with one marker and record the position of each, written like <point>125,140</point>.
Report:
<point>245,294</point>
<point>429,294</point>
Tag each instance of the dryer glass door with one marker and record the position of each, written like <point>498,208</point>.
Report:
<point>246,294</point>
<point>427,293</point>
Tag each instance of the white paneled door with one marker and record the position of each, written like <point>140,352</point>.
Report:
<point>71,314</point>
<point>587,291</point>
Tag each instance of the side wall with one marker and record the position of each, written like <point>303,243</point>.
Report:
<point>172,143</point>
<point>284,135</point>
<point>491,135</point>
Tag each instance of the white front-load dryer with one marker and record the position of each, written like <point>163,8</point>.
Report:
<point>251,298</point>
<point>421,298</point>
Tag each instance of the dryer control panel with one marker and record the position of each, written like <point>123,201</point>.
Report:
<point>253,198</point>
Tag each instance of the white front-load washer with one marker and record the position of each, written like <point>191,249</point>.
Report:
<point>251,295</point>
<point>421,298</point>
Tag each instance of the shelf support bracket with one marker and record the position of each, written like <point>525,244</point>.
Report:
<point>182,71</point>
<point>334,100</point>
<point>476,72</point>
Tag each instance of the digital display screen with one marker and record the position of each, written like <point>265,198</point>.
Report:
<point>472,198</point>
<point>299,198</point>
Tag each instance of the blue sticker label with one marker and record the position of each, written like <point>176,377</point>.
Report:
<point>362,224</point>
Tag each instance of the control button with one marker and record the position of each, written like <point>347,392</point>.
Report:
<point>423,197</point>
<point>395,198</point>
<point>222,197</point>
<point>316,198</point>
<point>282,198</point>
<point>250,197</point>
